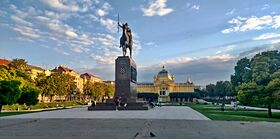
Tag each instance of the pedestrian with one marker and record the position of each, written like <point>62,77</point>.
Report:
<point>117,102</point>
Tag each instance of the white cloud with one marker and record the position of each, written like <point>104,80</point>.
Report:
<point>79,48</point>
<point>27,31</point>
<point>230,12</point>
<point>53,26</point>
<point>226,49</point>
<point>3,13</point>
<point>267,36</point>
<point>100,12</point>
<point>101,59</point>
<point>240,24</point>
<point>255,23</point>
<point>195,7</point>
<point>201,71</point>
<point>157,7</point>
<point>276,22</point>
<point>136,46</point>
<point>20,20</point>
<point>61,5</point>
<point>111,25</point>
<point>177,60</point>
<point>185,59</point>
<point>266,6</point>
<point>104,9</point>
<point>275,41</point>
<point>192,6</point>
<point>61,51</point>
<point>106,6</point>
<point>151,44</point>
<point>71,34</point>
<point>18,12</point>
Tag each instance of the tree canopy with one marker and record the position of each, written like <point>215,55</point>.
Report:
<point>257,80</point>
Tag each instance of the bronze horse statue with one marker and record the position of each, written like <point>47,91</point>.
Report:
<point>126,39</point>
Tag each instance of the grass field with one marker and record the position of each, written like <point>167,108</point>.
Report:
<point>14,113</point>
<point>16,109</point>
<point>214,112</point>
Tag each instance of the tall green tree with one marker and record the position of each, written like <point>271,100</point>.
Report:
<point>56,84</point>
<point>9,92</point>
<point>210,88</point>
<point>109,90</point>
<point>247,92</point>
<point>88,89</point>
<point>29,96</point>
<point>99,90</point>
<point>242,74</point>
<point>262,87</point>
<point>22,69</point>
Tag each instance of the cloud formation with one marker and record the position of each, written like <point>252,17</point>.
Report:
<point>267,36</point>
<point>53,26</point>
<point>202,70</point>
<point>157,7</point>
<point>65,6</point>
<point>241,24</point>
<point>192,6</point>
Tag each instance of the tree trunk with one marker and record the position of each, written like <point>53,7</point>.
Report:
<point>223,104</point>
<point>0,108</point>
<point>269,111</point>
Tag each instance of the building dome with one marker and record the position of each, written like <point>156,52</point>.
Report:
<point>163,73</point>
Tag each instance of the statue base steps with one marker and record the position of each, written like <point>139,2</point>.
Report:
<point>112,106</point>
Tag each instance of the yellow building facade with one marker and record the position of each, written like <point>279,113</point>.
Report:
<point>78,80</point>
<point>89,77</point>
<point>164,89</point>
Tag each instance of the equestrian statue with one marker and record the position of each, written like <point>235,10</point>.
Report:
<point>126,39</point>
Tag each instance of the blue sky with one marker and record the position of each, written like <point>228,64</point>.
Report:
<point>198,38</point>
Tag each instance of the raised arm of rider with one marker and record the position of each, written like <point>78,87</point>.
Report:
<point>120,25</point>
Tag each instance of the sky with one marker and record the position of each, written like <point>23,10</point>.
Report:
<point>200,39</point>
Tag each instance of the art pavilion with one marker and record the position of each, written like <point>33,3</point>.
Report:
<point>164,89</point>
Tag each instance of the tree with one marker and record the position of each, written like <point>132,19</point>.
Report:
<point>29,96</point>
<point>222,89</point>
<point>56,84</point>
<point>5,73</point>
<point>9,92</point>
<point>262,88</point>
<point>109,90</point>
<point>21,69</point>
<point>242,73</point>
<point>211,90</point>
<point>201,93</point>
<point>246,92</point>
<point>19,64</point>
<point>88,89</point>
<point>98,91</point>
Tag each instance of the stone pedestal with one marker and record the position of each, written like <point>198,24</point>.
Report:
<point>125,87</point>
<point>126,79</point>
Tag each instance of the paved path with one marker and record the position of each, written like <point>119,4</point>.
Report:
<point>129,128</point>
<point>167,112</point>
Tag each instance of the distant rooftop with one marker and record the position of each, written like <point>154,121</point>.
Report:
<point>62,69</point>
<point>4,62</point>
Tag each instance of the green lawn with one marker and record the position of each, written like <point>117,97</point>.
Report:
<point>214,113</point>
<point>16,109</point>
<point>14,113</point>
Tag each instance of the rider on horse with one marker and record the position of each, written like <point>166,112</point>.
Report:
<point>126,39</point>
